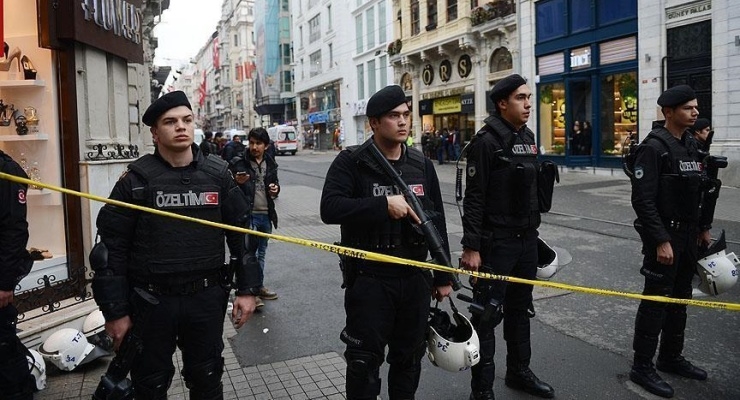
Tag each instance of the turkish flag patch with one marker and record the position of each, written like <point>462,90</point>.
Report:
<point>211,198</point>
<point>417,189</point>
<point>22,196</point>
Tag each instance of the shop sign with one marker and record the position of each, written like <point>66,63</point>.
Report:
<point>443,93</point>
<point>114,26</point>
<point>447,105</point>
<point>426,107</point>
<point>318,117</point>
<point>445,70</point>
<point>580,58</point>
<point>687,11</point>
<point>427,75</point>
<point>464,66</point>
<point>467,103</point>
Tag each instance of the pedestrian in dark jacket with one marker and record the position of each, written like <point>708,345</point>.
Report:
<point>207,146</point>
<point>256,173</point>
<point>15,263</point>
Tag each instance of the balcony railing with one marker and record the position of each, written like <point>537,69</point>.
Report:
<point>492,10</point>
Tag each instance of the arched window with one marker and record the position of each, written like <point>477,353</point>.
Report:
<point>500,60</point>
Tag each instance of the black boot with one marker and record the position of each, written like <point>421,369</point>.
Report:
<point>644,374</point>
<point>681,366</point>
<point>484,395</point>
<point>522,378</point>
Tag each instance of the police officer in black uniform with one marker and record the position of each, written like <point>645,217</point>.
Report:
<point>181,263</point>
<point>15,263</point>
<point>500,221</point>
<point>667,185</point>
<point>386,304</point>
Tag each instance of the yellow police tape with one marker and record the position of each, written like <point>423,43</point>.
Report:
<point>368,255</point>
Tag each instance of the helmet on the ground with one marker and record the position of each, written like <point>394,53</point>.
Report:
<point>547,260</point>
<point>716,269</point>
<point>452,346</point>
<point>67,348</point>
<point>94,330</point>
<point>38,369</point>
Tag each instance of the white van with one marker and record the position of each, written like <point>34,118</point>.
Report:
<point>284,139</point>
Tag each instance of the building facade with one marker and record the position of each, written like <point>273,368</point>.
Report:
<point>273,81</point>
<point>447,55</point>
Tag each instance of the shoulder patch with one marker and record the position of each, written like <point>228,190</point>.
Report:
<point>471,170</point>
<point>639,172</point>
<point>21,196</point>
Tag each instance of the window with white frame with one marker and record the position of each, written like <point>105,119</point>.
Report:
<point>358,34</point>
<point>315,60</point>
<point>331,56</point>
<point>328,18</point>
<point>415,27</point>
<point>370,22</point>
<point>314,29</point>
<point>361,81</point>
<point>451,10</point>
<point>382,31</point>
<point>371,76</point>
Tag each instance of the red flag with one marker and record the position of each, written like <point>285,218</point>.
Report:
<point>249,68</point>
<point>215,54</point>
<point>202,90</point>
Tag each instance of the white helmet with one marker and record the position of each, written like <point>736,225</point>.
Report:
<point>94,330</point>
<point>716,269</point>
<point>38,369</point>
<point>452,347</point>
<point>547,260</point>
<point>67,348</point>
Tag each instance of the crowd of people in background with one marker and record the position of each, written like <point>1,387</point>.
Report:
<point>444,145</point>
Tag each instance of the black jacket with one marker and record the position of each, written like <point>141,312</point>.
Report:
<point>341,204</point>
<point>15,261</point>
<point>240,164</point>
<point>486,165</point>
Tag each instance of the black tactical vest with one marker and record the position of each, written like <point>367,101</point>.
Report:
<point>512,191</point>
<point>682,177</point>
<point>393,237</point>
<point>164,245</point>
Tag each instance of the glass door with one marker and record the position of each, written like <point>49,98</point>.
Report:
<point>579,130</point>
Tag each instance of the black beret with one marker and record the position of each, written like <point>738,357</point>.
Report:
<point>676,96</point>
<point>385,100</point>
<point>503,88</point>
<point>164,103</point>
<point>701,123</point>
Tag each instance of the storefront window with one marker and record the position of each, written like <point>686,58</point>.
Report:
<point>618,111</point>
<point>552,118</point>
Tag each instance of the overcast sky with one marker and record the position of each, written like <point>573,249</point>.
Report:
<point>185,28</point>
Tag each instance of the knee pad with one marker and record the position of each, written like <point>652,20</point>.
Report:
<point>204,379</point>
<point>362,374</point>
<point>153,386</point>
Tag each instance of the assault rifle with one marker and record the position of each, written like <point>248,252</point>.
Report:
<point>115,385</point>
<point>433,238</point>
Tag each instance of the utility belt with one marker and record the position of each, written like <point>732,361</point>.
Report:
<point>677,225</point>
<point>214,278</point>
<point>505,233</point>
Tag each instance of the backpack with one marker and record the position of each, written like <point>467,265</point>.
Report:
<point>629,151</point>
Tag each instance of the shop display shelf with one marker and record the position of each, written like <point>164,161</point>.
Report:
<point>10,84</point>
<point>23,138</point>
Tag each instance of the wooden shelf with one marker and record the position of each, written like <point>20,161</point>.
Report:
<point>10,84</point>
<point>23,138</point>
